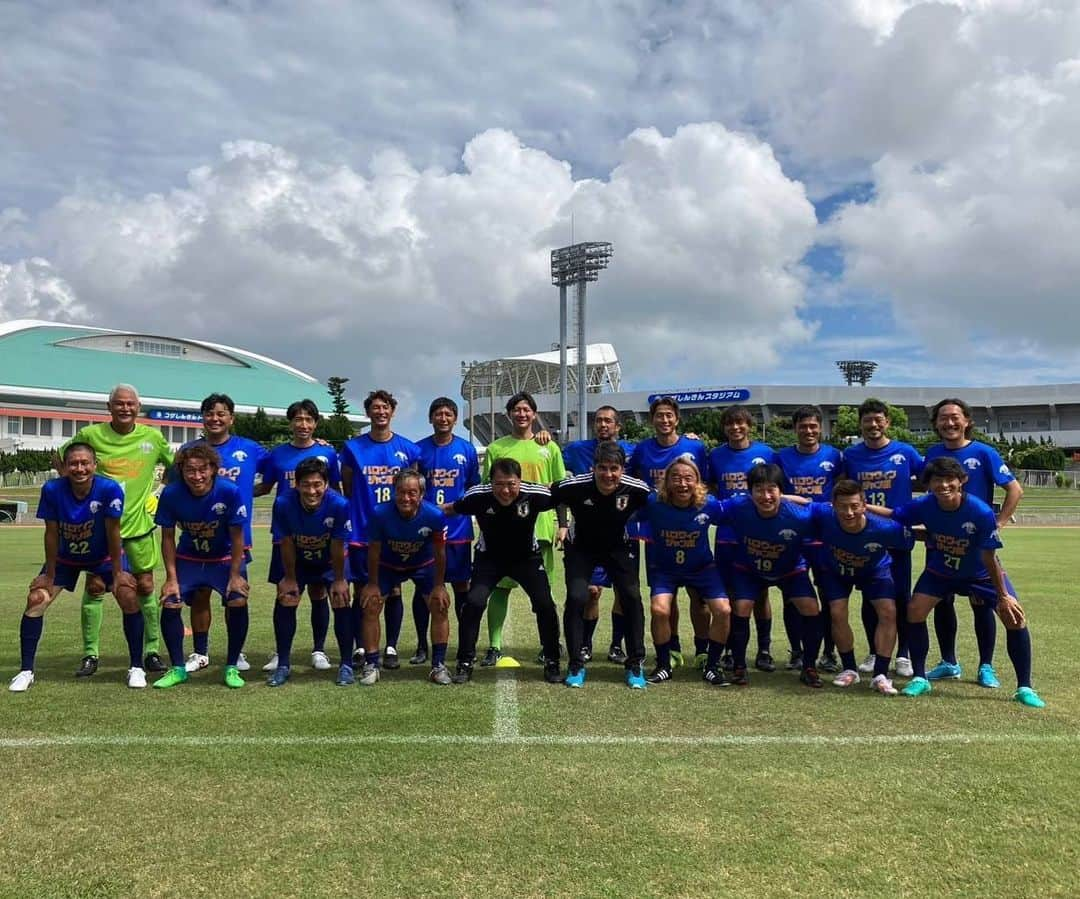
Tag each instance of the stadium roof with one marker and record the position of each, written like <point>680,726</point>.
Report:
<point>62,363</point>
<point>539,372</point>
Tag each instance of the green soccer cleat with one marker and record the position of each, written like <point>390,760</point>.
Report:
<point>172,678</point>
<point>919,686</point>
<point>677,660</point>
<point>232,677</point>
<point>701,660</point>
<point>1027,696</point>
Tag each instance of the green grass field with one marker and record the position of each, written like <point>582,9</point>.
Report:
<point>510,787</point>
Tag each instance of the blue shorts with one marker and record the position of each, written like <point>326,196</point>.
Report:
<point>193,575</point>
<point>305,574</point>
<point>358,563</point>
<point>706,581</point>
<point>980,591</point>
<point>67,576</point>
<point>833,588</point>
<point>389,578</point>
<point>747,585</point>
<point>458,562</point>
<point>600,577</point>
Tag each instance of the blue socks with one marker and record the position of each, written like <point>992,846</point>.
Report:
<point>284,632</point>
<point>320,624</point>
<point>394,614</point>
<point>945,628</point>
<point>713,651</point>
<point>29,636</point>
<point>438,655</point>
<point>172,631</point>
<point>201,642</point>
<point>236,625</point>
<point>421,617</point>
<point>811,638</point>
<point>919,645</point>
<point>663,655</point>
<point>134,627</point>
<point>739,638</point>
<point>793,626</point>
<point>1018,644</point>
<point>985,632</point>
<point>764,633</point>
<point>343,633</point>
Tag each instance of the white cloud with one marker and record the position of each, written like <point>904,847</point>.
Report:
<point>380,275</point>
<point>31,288</point>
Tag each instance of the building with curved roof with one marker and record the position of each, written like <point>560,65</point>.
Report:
<point>55,378</point>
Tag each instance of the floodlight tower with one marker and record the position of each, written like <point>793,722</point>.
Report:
<point>856,371</point>
<point>577,264</point>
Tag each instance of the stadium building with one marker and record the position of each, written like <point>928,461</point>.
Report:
<point>56,378</point>
<point>1039,410</point>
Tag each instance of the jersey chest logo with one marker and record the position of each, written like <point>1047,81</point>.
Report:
<point>523,510</point>
<point>621,502</point>
<point>94,506</point>
<point>896,459</point>
<point>788,534</point>
<point>218,508</point>
<point>969,527</point>
<point>328,521</point>
<point>971,464</point>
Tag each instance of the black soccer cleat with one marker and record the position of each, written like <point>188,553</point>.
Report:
<point>153,662</point>
<point>764,662</point>
<point>717,677</point>
<point>811,678</point>
<point>87,667</point>
<point>463,674</point>
<point>659,675</point>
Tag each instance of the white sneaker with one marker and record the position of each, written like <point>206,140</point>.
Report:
<point>846,678</point>
<point>269,666</point>
<point>903,667</point>
<point>242,664</point>
<point>867,664</point>
<point>320,661</point>
<point>369,675</point>
<point>195,662</point>
<point>137,678</point>
<point>21,682</point>
<point>883,685</point>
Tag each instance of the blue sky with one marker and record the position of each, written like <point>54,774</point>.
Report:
<point>371,190</point>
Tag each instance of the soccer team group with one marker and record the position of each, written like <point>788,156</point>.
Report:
<point>352,528</point>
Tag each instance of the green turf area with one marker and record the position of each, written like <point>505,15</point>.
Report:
<point>510,787</point>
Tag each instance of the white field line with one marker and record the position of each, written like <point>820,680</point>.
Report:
<point>507,719</point>
<point>518,739</point>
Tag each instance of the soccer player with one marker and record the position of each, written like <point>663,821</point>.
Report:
<point>885,469</point>
<point>506,510</point>
<point>311,526</point>
<point>648,462</point>
<point>540,464</point>
<point>578,459</point>
<point>772,530</point>
<point>729,465</point>
<point>678,516</point>
<point>82,513</point>
<point>368,465</point>
<point>810,470</point>
<point>856,555</point>
<point>129,453</point>
<point>240,460</point>
<point>210,513</point>
<point>278,470</point>
<point>962,539</point>
<point>985,468</point>
<point>450,467</point>
<point>406,542</point>
<point>602,503</point>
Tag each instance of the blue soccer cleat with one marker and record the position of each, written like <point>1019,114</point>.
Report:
<point>635,678</point>
<point>575,678</point>
<point>919,686</point>
<point>279,676</point>
<point>987,677</point>
<point>944,671</point>
<point>345,676</point>
<point>1027,696</point>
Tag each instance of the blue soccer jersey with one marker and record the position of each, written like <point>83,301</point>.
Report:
<point>771,548</point>
<point>728,470</point>
<point>811,474</point>
<point>278,467</point>
<point>954,540</point>
<point>407,543</point>
<point>650,459</point>
<point>983,465</point>
<point>311,532</point>
<point>863,555</point>
<point>205,521</point>
<point>81,522</point>
<point>680,536</point>
<point>374,464</point>
<point>578,456</point>
<point>240,461</point>
<point>450,470</point>
<point>884,474</point>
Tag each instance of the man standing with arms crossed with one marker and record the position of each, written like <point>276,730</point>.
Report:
<point>129,453</point>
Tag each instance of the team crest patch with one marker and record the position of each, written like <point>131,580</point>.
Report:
<point>218,508</point>
<point>896,459</point>
<point>702,518</point>
<point>523,510</point>
<point>621,502</point>
<point>146,446</point>
<point>872,547</point>
<point>95,506</point>
<point>972,464</point>
<point>969,527</point>
<point>424,532</point>
<point>826,466</point>
<point>788,534</point>
<point>328,521</point>
<point>239,455</point>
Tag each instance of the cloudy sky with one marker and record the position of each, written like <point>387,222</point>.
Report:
<point>372,189</point>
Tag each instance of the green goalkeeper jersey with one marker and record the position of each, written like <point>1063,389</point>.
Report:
<point>131,460</point>
<point>539,465</point>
